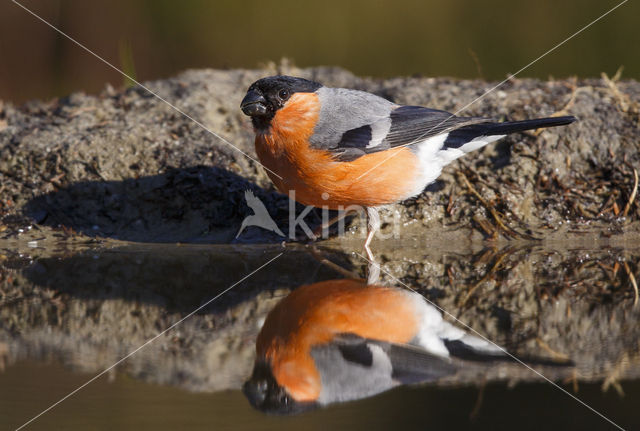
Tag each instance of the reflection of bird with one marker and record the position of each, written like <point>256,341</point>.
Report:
<point>337,147</point>
<point>260,217</point>
<point>341,340</point>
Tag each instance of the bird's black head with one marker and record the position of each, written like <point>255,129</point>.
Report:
<point>265,394</point>
<point>267,95</point>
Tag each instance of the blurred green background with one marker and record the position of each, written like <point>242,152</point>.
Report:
<point>157,38</point>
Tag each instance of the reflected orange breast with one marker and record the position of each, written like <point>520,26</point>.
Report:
<point>313,315</point>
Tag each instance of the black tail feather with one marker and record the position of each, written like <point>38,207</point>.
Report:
<point>520,126</point>
<point>457,138</point>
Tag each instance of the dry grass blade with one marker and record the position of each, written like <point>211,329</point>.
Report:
<point>564,110</point>
<point>622,99</point>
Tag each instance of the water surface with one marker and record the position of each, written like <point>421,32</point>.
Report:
<point>67,316</point>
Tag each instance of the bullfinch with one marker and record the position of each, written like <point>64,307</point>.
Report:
<point>343,340</point>
<point>338,148</point>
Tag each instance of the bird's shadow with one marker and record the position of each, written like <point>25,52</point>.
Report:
<point>196,204</point>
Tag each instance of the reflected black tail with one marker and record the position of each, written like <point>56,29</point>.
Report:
<point>460,350</point>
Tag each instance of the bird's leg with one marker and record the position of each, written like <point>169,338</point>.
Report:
<point>373,225</point>
<point>373,272</point>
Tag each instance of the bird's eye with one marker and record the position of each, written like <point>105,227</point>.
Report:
<point>283,94</point>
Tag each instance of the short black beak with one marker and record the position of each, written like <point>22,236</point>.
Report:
<point>254,104</point>
<point>255,393</point>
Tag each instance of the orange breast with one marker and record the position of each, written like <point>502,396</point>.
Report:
<point>316,177</point>
<point>314,314</point>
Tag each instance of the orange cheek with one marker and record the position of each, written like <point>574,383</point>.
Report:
<point>296,119</point>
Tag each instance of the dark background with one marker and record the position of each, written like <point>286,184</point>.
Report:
<point>157,38</point>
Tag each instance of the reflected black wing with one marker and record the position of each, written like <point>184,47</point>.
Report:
<point>410,364</point>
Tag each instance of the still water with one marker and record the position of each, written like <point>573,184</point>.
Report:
<point>67,314</point>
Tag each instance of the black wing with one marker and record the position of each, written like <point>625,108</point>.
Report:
<point>415,123</point>
<point>406,125</point>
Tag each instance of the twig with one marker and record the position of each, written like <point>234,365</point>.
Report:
<point>613,379</point>
<point>479,400</point>
<point>633,282</point>
<point>574,380</point>
<point>486,226</point>
<point>554,353</point>
<point>475,287</point>
<point>451,201</point>
<point>509,232</point>
<point>82,110</point>
<point>633,194</point>
<point>318,255</point>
